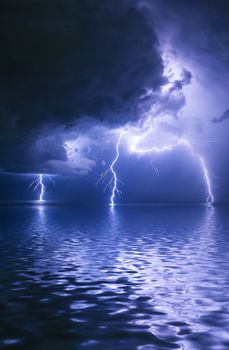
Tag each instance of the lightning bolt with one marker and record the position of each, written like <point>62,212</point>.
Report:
<point>162,149</point>
<point>114,175</point>
<point>42,192</point>
<point>210,197</point>
<point>38,185</point>
<point>113,183</point>
<point>169,148</point>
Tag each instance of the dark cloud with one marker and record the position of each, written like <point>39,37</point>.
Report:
<point>61,60</point>
<point>170,101</point>
<point>43,149</point>
<point>221,118</point>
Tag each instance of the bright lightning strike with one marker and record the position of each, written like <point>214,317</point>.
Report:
<point>41,197</point>
<point>162,149</point>
<point>113,183</point>
<point>114,175</point>
<point>170,147</point>
<point>38,184</point>
<point>210,198</point>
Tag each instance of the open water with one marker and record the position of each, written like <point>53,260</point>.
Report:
<point>145,278</point>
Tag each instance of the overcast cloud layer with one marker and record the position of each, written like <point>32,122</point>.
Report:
<point>76,70</point>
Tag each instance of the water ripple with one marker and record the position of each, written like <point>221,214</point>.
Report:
<point>131,278</point>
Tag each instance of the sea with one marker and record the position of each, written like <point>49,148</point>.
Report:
<point>122,278</point>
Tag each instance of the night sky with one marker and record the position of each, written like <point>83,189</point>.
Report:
<point>74,74</point>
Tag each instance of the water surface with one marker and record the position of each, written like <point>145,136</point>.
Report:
<point>129,278</point>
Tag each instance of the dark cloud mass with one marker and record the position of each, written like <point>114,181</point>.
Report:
<point>61,60</point>
<point>66,60</point>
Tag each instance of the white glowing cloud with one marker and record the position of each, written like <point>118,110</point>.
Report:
<point>78,154</point>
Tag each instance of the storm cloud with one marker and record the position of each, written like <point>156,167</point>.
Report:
<point>61,60</point>
<point>72,73</point>
<point>198,30</point>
